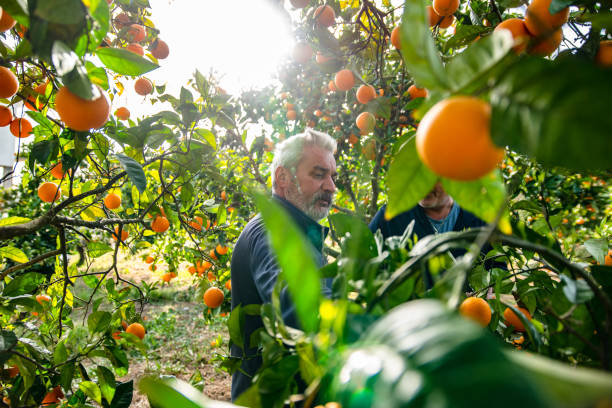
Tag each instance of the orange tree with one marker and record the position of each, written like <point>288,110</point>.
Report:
<point>97,181</point>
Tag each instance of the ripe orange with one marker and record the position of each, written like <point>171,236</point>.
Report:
<point>365,122</point>
<point>435,18</point>
<point>124,324</point>
<point>57,171</point>
<point>6,21</point>
<point>82,114</point>
<point>228,285</point>
<point>136,329</point>
<point>454,141</point>
<point>9,85</point>
<point>121,20</point>
<point>124,234</point>
<point>476,309</point>
<point>213,297</point>
<point>6,116</point>
<point>152,268</point>
<point>53,396</point>
<point>192,269</point>
<point>353,140</point>
<point>395,37</point>
<point>160,49</point>
<point>322,58</point>
<point>519,31</point>
<point>13,371</point>
<point>445,7</point>
<point>302,52</point>
<point>291,115</point>
<point>43,298</point>
<point>149,259</point>
<point>539,20</point>
<point>112,201</point>
<point>415,92</point>
<point>160,224</point>
<point>289,106</point>
<point>513,320</point>
<point>136,32</point>
<point>122,113</point>
<point>608,258</point>
<point>344,80</point>
<point>116,335</point>
<point>604,53</point>
<point>325,16</point>
<point>365,93</point>
<point>211,276</point>
<point>447,21</point>
<point>299,3</point>
<point>135,48</point>
<point>196,226</point>
<point>49,192</point>
<point>167,277</point>
<point>143,86</point>
<point>546,44</point>
<point>20,127</point>
<point>36,103</point>
<point>369,149</point>
<point>221,250</point>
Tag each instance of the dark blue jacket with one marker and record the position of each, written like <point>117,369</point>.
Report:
<point>422,228</point>
<point>254,274</point>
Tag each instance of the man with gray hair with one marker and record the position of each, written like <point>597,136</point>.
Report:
<point>303,183</point>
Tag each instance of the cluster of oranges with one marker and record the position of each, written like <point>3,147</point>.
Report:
<point>478,310</point>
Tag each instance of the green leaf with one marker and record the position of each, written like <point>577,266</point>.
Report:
<point>13,221</point>
<point>125,62</point>
<point>357,239</point>
<point>598,248</point>
<point>91,390</point>
<point>13,253</point>
<point>545,108</point>
<point>66,375</point>
<point>234,326</point>
<point>409,180</point>
<point>99,321</point>
<point>8,341</point>
<point>41,151</point>
<point>172,393</point>
<point>464,35</point>
<point>208,136</point>
<point>483,197</point>
<point>298,269</point>
<point>576,291</point>
<point>471,69</point>
<point>22,284</point>
<point>106,380</point>
<point>60,11</point>
<point>134,171</point>
<point>558,5</point>
<point>60,354</point>
<point>98,248</point>
<point>419,51</point>
<point>123,395</point>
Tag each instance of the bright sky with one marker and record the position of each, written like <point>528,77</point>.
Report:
<point>243,41</point>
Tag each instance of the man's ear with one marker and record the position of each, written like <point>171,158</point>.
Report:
<point>282,177</point>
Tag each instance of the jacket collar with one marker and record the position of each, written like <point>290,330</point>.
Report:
<point>314,231</point>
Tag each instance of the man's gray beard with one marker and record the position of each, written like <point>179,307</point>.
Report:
<point>310,209</point>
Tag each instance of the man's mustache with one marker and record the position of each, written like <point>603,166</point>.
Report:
<point>324,196</point>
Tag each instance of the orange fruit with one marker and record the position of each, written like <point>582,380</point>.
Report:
<point>454,141</point>
<point>331,86</point>
<point>434,18</point>
<point>415,92</point>
<point>299,3</point>
<point>604,53</point>
<point>167,277</point>
<point>608,258</point>
<point>143,86</point>
<point>213,297</point>
<point>122,113</point>
<point>112,201</point>
<point>547,43</point>
<point>519,32</point>
<point>136,32</point>
<point>289,106</point>
<point>49,192</point>
<point>302,52</point>
<point>192,269</point>
<point>82,114</point>
<point>160,224</point>
<point>223,196</point>
<point>344,80</point>
<point>477,309</point>
<point>291,115</point>
<point>36,103</point>
<point>135,48</point>
<point>124,234</point>
<point>43,298</point>
<point>318,113</point>
<point>136,329</point>
<point>124,324</point>
<point>445,7</point>
<point>152,268</point>
<point>53,396</point>
<point>20,127</point>
<point>199,220</point>
<point>195,226</point>
<point>160,49</point>
<point>212,254</point>
<point>324,16</point>
<point>353,139</point>
<point>6,116</point>
<point>149,259</point>
<point>9,84</point>
<point>365,93</point>
<point>121,20</point>
<point>395,37</point>
<point>116,335</point>
<point>221,250</point>
<point>228,285</point>
<point>13,371</point>
<point>365,122</point>
<point>57,171</point>
<point>539,20</point>
<point>6,21</point>
<point>513,320</point>
<point>211,276</point>
<point>447,21</point>
<point>322,58</point>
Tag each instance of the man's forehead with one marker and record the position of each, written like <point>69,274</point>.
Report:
<point>317,157</point>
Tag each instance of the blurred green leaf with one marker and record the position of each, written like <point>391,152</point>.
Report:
<point>576,291</point>
<point>173,393</point>
<point>92,390</point>
<point>598,248</point>
<point>22,284</point>
<point>13,221</point>
<point>60,11</point>
<point>125,62</point>
<point>106,381</point>
<point>8,341</point>
<point>464,35</point>
<point>13,253</point>
<point>98,321</point>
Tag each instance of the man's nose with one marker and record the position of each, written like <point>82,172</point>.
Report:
<point>329,185</point>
